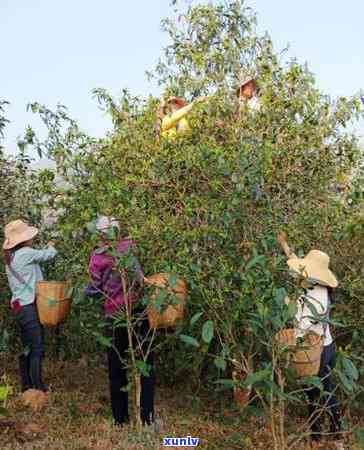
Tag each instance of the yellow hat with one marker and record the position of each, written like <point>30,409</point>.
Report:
<point>17,232</point>
<point>316,267</point>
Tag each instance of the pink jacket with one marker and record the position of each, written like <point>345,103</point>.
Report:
<point>106,280</point>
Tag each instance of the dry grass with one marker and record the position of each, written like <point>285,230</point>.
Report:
<point>78,417</point>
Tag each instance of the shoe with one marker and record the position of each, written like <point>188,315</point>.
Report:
<point>25,388</point>
<point>155,427</point>
<point>158,425</point>
<point>44,388</point>
<point>121,422</point>
<point>148,428</point>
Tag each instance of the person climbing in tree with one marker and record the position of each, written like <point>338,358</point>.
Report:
<point>172,116</point>
<point>23,272</point>
<point>107,284</point>
<point>318,284</point>
<point>247,93</point>
<point>247,96</point>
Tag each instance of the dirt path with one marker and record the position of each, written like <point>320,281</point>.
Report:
<point>78,417</point>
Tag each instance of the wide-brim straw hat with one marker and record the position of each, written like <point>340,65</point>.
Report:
<point>243,83</point>
<point>17,232</point>
<point>314,266</point>
<point>177,100</point>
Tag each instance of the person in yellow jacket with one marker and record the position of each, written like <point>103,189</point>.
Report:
<point>172,116</point>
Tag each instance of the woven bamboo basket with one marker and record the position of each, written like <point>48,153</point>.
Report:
<point>53,303</point>
<point>169,316</point>
<point>305,358</point>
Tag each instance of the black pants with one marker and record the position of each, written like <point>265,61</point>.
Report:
<point>32,338</point>
<point>117,359</point>
<point>328,401</point>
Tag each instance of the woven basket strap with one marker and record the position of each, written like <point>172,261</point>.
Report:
<point>19,278</point>
<point>326,314</point>
<point>51,302</point>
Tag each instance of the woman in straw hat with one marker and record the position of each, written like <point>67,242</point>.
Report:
<point>23,272</point>
<point>107,284</point>
<point>247,93</point>
<point>172,116</point>
<point>318,283</point>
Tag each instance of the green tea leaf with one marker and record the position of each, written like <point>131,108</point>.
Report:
<point>195,318</point>
<point>143,367</point>
<point>257,377</point>
<point>313,381</point>
<point>208,331</point>
<point>292,309</point>
<point>254,262</point>
<point>189,340</point>
<point>4,412</point>
<point>220,363</point>
<point>359,434</point>
<point>172,281</point>
<point>226,383</point>
<point>105,341</point>
<point>350,370</point>
<point>346,382</point>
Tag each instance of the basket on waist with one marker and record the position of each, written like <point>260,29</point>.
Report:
<point>168,316</point>
<point>306,357</point>
<point>53,302</point>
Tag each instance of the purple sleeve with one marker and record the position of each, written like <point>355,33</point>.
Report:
<point>100,269</point>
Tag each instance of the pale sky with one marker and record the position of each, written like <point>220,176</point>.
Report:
<point>59,51</point>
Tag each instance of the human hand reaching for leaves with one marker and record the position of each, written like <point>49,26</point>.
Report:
<point>201,99</point>
<point>282,238</point>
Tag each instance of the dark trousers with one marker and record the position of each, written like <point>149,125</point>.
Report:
<point>117,361</point>
<point>32,338</point>
<point>327,403</point>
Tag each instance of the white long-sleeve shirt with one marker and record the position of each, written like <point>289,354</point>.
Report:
<point>254,103</point>
<point>318,297</point>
